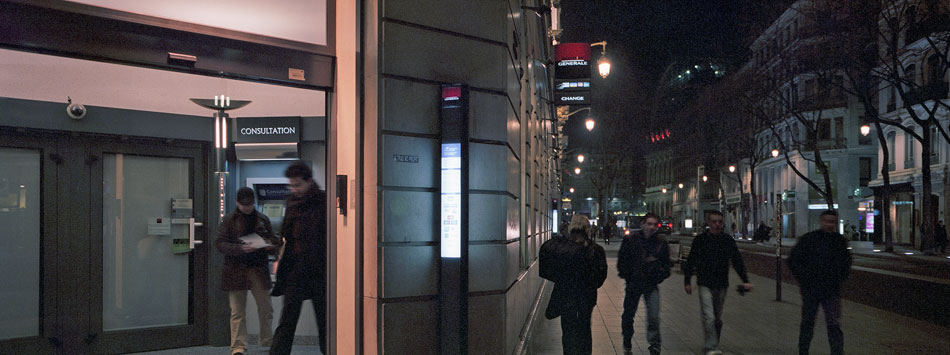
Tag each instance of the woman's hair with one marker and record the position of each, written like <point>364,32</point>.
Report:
<point>579,223</point>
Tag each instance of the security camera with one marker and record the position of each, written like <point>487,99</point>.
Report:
<point>75,111</point>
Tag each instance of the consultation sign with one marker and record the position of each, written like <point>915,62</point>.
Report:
<point>268,129</point>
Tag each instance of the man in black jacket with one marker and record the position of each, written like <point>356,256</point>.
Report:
<point>709,258</point>
<point>644,262</point>
<point>821,262</point>
<point>302,270</point>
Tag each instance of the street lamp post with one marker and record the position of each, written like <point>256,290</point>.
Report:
<point>603,65</point>
<point>589,123</point>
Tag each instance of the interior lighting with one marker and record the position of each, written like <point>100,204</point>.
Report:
<point>571,190</point>
<point>681,185</point>
<point>705,178</point>
<point>580,158</point>
<point>577,171</point>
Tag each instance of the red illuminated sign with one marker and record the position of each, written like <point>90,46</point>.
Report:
<point>572,51</point>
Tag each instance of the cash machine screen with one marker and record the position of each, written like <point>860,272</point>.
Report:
<point>270,200</point>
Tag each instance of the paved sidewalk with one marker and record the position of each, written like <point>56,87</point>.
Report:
<point>753,324</point>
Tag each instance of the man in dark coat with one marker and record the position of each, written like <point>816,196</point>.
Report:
<point>940,237</point>
<point>709,257</point>
<point>302,271</point>
<point>821,262</point>
<point>245,268</point>
<point>644,262</point>
<point>578,267</point>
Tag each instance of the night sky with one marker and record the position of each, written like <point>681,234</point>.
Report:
<point>644,37</point>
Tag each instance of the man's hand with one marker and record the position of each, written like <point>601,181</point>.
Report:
<point>247,248</point>
<point>689,289</point>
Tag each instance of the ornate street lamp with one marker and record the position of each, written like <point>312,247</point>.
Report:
<point>865,129</point>
<point>580,158</point>
<point>603,64</point>
<point>577,171</point>
<point>681,185</point>
<point>705,178</point>
<point>589,123</point>
<point>732,168</point>
<point>774,153</point>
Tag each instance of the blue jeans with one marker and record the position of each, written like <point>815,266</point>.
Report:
<point>710,304</point>
<point>631,300</point>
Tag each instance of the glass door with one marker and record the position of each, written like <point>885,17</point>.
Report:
<point>97,260</point>
<point>151,283</point>
<point>23,185</point>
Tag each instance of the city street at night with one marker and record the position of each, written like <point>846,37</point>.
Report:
<point>753,324</point>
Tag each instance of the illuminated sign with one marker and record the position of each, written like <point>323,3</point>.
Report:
<point>869,223</point>
<point>451,200</point>
<point>820,206</point>
<point>573,85</point>
<point>573,62</point>
<point>571,98</point>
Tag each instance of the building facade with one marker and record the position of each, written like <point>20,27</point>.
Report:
<point>104,201</point>
<point>924,80</point>
<point>811,114</point>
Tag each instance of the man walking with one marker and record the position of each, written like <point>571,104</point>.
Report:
<point>643,262</point>
<point>821,262</point>
<point>245,267</point>
<point>302,274</point>
<point>940,237</point>
<point>709,257</point>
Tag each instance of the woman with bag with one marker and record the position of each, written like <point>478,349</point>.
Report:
<point>578,267</point>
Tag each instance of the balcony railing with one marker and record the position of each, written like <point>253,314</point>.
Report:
<point>832,143</point>
<point>935,91</point>
<point>819,102</point>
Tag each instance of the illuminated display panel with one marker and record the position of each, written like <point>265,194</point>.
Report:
<point>451,200</point>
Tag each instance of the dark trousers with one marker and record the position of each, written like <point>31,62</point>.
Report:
<point>284,335</point>
<point>832,308</point>
<point>575,330</point>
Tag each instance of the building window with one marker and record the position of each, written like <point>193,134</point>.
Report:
<point>824,129</point>
<point>910,72</point>
<point>934,72</point>
<point>891,143</point>
<point>908,150</point>
<point>864,168</point>
<point>839,128</point>
<point>891,99</point>
<point>935,139</point>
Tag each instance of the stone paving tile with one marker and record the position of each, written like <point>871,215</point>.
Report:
<point>754,324</point>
